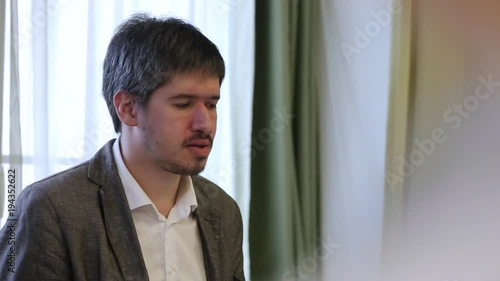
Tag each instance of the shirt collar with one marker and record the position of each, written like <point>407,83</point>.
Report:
<point>185,203</point>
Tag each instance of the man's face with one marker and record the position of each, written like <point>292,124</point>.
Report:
<point>178,123</point>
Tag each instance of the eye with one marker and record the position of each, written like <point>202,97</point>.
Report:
<point>212,105</point>
<point>182,105</point>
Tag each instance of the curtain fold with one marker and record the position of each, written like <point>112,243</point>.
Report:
<point>397,134</point>
<point>3,18</point>
<point>37,48</point>
<point>9,102</point>
<point>284,204</point>
<point>15,155</point>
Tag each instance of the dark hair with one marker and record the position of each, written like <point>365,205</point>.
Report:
<point>146,52</point>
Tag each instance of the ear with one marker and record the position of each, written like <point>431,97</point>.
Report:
<point>126,108</point>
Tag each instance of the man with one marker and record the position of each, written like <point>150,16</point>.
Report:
<point>137,210</point>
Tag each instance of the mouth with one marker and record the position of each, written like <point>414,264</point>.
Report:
<point>200,146</point>
<point>199,150</point>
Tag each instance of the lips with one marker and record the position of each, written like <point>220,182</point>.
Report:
<point>199,151</point>
<point>199,147</point>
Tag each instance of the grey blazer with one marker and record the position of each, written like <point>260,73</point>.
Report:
<point>77,225</point>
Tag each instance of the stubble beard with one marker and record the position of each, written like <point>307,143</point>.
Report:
<point>181,169</point>
<point>171,165</point>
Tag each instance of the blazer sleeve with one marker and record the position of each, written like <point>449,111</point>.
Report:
<point>33,241</point>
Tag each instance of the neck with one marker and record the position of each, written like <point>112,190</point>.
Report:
<point>159,185</point>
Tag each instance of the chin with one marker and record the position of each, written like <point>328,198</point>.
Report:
<point>193,170</point>
<point>180,169</point>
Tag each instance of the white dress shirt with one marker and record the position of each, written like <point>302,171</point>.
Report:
<point>171,246</point>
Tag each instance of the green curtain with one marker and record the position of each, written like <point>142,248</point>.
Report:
<point>285,171</point>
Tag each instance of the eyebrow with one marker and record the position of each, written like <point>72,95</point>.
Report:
<point>189,96</point>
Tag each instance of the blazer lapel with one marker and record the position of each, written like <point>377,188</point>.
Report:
<point>209,224</point>
<point>117,217</point>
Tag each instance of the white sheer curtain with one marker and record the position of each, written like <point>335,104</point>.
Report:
<point>354,114</point>
<point>3,17</point>
<point>64,119</point>
<point>3,14</point>
<point>10,129</point>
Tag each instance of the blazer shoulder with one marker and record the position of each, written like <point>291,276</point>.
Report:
<point>210,193</point>
<point>60,183</point>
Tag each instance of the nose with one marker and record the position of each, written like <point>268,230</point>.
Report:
<point>203,119</point>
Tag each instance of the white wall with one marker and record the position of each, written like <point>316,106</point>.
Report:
<point>354,115</point>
